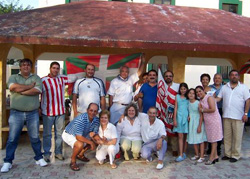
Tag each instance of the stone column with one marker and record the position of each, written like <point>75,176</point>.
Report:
<point>4,50</point>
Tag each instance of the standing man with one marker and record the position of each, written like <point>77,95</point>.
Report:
<point>235,109</point>
<point>53,110</point>
<point>153,135</point>
<point>80,131</point>
<point>88,90</point>
<point>148,92</point>
<point>121,91</point>
<point>172,90</point>
<point>25,88</point>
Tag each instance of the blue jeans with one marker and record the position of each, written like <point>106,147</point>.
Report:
<point>17,120</point>
<point>48,122</point>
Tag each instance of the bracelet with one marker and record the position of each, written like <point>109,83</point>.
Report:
<point>202,110</point>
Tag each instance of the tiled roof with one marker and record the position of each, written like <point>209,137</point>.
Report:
<point>129,25</point>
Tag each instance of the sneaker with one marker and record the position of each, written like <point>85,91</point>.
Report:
<point>179,159</point>
<point>149,159</point>
<point>46,158</point>
<point>6,167</point>
<point>58,156</point>
<point>159,166</point>
<point>201,160</point>
<point>41,162</point>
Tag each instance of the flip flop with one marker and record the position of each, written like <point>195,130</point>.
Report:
<point>74,167</point>
<point>113,166</point>
<point>82,158</point>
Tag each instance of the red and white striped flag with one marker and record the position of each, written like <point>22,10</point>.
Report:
<point>165,102</point>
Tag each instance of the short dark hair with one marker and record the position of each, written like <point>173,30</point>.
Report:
<point>54,63</point>
<point>94,104</point>
<point>129,106</point>
<point>195,95</point>
<point>205,75</point>
<point>168,71</point>
<point>153,71</point>
<point>183,85</point>
<point>25,60</point>
<point>144,74</point>
<point>233,71</point>
<point>153,107</point>
<point>103,112</point>
<point>90,65</point>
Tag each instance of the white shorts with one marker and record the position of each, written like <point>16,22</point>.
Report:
<point>69,139</point>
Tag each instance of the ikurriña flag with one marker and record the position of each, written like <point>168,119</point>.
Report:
<point>106,67</point>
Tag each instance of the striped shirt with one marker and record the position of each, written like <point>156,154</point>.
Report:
<point>82,126</point>
<point>52,102</point>
<point>89,90</point>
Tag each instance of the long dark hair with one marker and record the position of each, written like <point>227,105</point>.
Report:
<point>185,86</point>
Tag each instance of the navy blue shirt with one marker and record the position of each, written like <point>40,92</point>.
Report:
<point>82,126</point>
<point>149,96</point>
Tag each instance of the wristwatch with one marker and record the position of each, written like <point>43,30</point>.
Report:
<point>245,113</point>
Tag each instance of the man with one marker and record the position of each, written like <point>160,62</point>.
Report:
<point>25,88</point>
<point>148,92</point>
<point>215,88</point>
<point>121,91</point>
<point>153,135</point>
<point>88,90</point>
<point>79,132</point>
<point>172,91</point>
<point>53,110</point>
<point>235,109</point>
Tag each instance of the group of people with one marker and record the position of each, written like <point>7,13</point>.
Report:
<point>131,123</point>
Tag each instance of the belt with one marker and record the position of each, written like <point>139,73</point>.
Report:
<point>122,104</point>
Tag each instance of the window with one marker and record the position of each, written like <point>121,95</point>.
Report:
<point>230,8</point>
<point>162,2</point>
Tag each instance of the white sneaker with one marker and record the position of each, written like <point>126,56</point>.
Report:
<point>159,166</point>
<point>6,167</point>
<point>201,160</point>
<point>42,162</point>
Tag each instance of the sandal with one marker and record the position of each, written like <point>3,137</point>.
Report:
<point>74,167</point>
<point>201,160</point>
<point>82,158</point>
<point>113,166</point>
<point>196,157</point>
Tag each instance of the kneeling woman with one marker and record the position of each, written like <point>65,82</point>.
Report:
<point>108,143</point>
<point>129,132</point>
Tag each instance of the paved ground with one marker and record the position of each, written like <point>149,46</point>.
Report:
<point>24,166</point>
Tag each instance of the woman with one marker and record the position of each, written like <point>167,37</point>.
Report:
<point>108,143</point>
<point>129,132</point>
<point>205,80</point>
<point>212,120</point>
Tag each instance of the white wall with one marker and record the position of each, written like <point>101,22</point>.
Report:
<point>246,8</point>
<point>193,73</point>
<point>46,3</point>
<point>139,1</point>
<point>43,67</point>
<point>214,4</point>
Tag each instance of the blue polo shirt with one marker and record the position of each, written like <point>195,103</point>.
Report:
<point>149,96</point>
<point>82,126</point>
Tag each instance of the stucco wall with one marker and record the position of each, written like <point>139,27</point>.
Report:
<point>246,8</point>
<point>46,3</point>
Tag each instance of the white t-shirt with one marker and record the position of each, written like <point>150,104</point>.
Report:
<point>151,132</point>
<point>128,131</point>
<point>234,100</point>
<point>89,90</point>
<point>122,90</point>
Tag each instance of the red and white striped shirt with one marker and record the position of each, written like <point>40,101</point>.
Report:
<point>52,101</point>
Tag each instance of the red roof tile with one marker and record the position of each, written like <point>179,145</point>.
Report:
<point>129,25</point>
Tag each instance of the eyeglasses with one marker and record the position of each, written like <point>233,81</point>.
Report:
<point>168,76</point>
